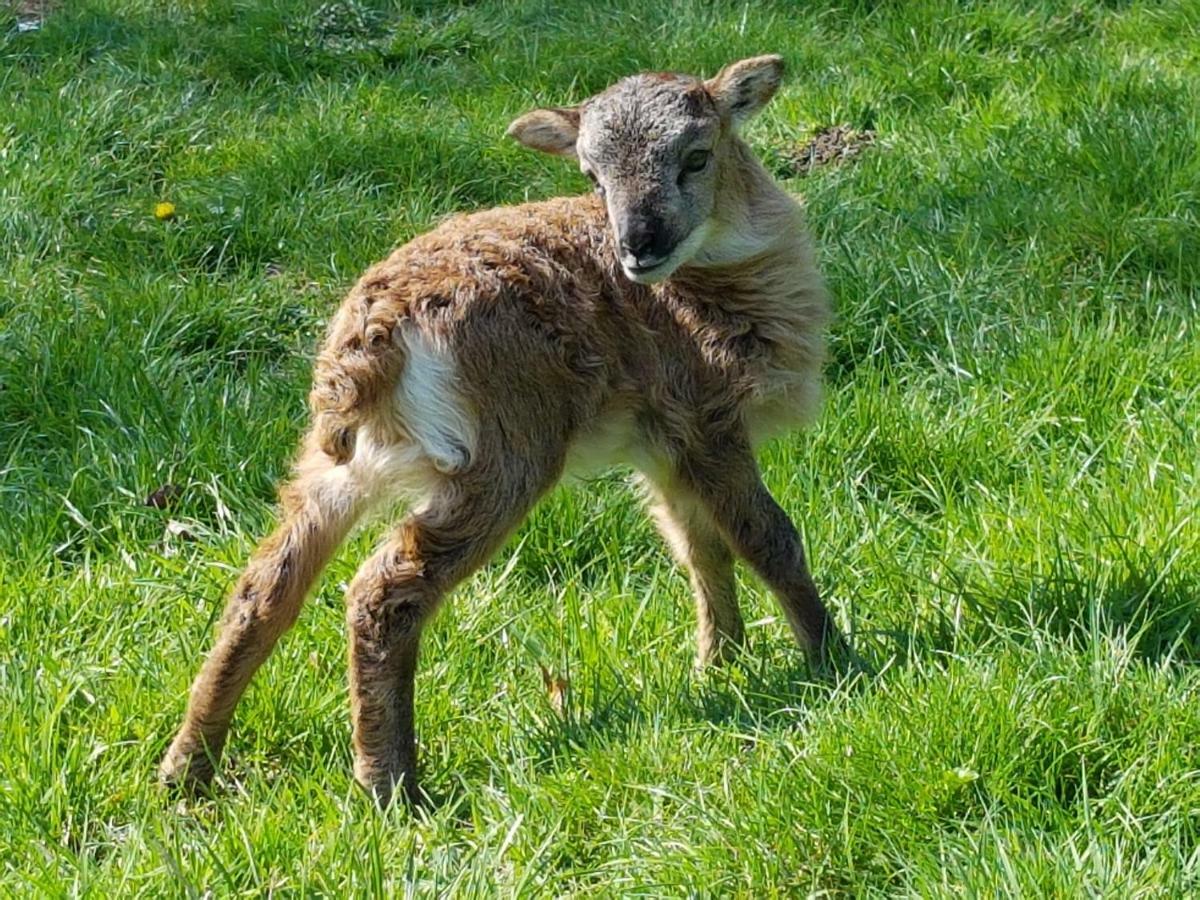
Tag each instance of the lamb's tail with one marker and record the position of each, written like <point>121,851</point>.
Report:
<point>417,375</point>
<point>347,382</point>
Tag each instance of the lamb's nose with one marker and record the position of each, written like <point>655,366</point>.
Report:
<point>645,241</point>
<point>639,244</point>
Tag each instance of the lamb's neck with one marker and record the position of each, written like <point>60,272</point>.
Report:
<point>753,218</point>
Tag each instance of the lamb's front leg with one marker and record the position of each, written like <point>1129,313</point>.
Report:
<point>698,546</point>
<point>725,476</point>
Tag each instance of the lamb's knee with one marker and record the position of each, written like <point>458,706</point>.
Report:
<point>394,617</point>
<point>389,603</point>
<point>264,603</point>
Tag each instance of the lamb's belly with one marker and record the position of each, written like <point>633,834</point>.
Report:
<point>791,404</point>
<point>614,440</point>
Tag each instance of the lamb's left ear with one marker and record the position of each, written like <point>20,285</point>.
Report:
<point>742,88</point>
<point>552,130</point>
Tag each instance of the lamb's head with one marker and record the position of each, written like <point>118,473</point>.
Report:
<point>654,145</point>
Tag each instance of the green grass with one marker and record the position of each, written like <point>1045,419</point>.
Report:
<point>1000,499</point>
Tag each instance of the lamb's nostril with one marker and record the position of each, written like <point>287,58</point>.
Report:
<point>638,245</point>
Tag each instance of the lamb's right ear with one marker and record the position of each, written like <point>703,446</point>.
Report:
<point>551,130</point>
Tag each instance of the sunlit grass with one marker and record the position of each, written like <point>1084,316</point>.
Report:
<point>1000,498</point>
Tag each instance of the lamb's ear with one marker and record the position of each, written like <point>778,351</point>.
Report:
<point>742,88</point>
<point>551,130</point>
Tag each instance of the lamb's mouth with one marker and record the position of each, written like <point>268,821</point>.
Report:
<point>649,274</point>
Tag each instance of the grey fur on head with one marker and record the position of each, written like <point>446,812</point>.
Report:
<point>654,145</point>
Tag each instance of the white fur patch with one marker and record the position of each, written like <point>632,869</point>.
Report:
<point>433,435</point>
<point>381,470</point>
<point>430,406</point>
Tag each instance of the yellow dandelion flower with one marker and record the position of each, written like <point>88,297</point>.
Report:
<point>164,211</point>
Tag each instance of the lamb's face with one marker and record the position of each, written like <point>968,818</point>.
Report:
<point>649,144</point>
<point>652,144</point>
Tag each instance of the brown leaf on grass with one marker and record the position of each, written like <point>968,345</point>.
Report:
<point>556,689</point>
<point>31,13</point>
<point>175,535</point>
<point>163,497</point>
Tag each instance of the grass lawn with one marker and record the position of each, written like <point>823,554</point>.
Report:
<point>1000,500</point>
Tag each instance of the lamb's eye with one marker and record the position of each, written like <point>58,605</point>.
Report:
<point>695,161</point>
<point>595,182</point>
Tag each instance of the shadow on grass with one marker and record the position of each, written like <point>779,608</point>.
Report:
<point>771,688</point>
<point>1156,616</point>
<point>752,694</point>
<point>1153,612</point>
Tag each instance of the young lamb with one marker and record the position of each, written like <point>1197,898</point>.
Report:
<point>669,321</point>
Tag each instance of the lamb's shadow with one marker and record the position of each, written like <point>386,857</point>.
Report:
<point>771,688</point>
<point>752,694</point>
<point>1152,614</point>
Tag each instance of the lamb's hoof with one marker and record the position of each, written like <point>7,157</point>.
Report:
<point>718,657</point>
<point>385,787</point>
<point>187,768</point>
<point>837,659</point>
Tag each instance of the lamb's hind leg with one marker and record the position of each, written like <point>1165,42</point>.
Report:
<point>698,546</point>
<point>399,588</point>
<point>319,506</point>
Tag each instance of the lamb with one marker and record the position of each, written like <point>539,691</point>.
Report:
<point>669,321</point>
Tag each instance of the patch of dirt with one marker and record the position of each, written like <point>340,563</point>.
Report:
<point>829,146</point>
